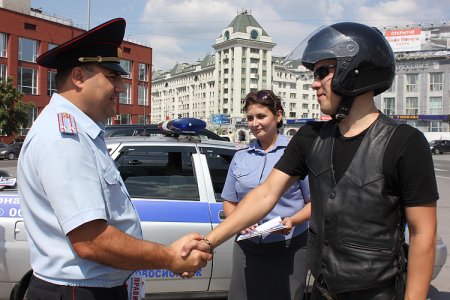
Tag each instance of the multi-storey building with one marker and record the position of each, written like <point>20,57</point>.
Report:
<point>243,62</point>
<point>213,89</point>
<point>25,33</point>
<point>420,94</point>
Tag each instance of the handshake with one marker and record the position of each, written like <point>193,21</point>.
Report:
<point>191,252</point>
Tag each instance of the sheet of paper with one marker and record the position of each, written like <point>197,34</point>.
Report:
<point>265,228</point>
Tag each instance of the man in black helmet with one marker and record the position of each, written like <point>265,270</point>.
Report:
<point>368,177</point>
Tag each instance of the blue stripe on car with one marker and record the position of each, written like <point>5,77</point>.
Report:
<point>148,210</point>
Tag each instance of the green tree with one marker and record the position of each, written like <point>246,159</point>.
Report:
<point>13,111</point>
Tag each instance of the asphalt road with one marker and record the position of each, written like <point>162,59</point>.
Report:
<point>440,287</point>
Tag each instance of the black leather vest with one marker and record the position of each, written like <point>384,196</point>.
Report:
<point>356,229</point>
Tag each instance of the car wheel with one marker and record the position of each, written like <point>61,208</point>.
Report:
<point>436,151</point>
<point>20,289</point>
<point>11,156</point>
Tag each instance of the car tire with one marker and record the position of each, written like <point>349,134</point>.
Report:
<point>11,156</point>
<point>436,151</point>
<point>20,289</point>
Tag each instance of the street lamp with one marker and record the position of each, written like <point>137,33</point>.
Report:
<point>89,15</point>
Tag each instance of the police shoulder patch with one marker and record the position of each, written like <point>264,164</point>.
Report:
<point>66,123</point>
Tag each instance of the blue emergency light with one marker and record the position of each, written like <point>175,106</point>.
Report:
<point>183,125</point>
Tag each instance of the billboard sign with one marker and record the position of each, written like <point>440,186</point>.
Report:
<point>221,119</point>
<point>404,39</point>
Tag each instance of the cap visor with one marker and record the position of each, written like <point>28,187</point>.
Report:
<point>114,67</point>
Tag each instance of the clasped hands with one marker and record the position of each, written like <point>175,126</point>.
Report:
<point>191,253</point>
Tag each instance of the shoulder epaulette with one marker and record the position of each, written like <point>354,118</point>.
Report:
<point>66,123</point>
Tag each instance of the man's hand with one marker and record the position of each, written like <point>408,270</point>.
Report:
<point>188,264</point>
<point>194,244</point>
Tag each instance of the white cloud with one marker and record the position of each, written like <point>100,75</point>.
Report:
<point>184,30</point>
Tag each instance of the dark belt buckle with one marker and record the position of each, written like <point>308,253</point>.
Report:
<point>325,293</point>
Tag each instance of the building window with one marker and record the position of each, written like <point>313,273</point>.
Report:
<point>125,119</point>
<point>3,46</point>
<point>51,46</point>
<point>389,106</point>
<point>51,85</point>
<point>412,82</point>
<point>125,97</point>
<point>141,119</point>
<point>143,72</point>
<point>2,71</point>
<point>436,80</point>
<point>27,81</point>
<point>254,34</point>
<point>412,105</point>
<point>28,49</point>
<point>226,35</point>
<point>306,86</point>
<point>126,65</point>
<point>435,126</point>
<point>414,124</point>
<point>435,107</point>
<point>292,114</point>
<point>142,95</point>
<point>32,115</point>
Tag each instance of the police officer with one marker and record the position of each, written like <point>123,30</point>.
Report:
<point>367,174</point>
<point>84,233</point>
<point>259,264</point>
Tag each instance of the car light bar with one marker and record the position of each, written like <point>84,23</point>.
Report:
<point>183,126</point>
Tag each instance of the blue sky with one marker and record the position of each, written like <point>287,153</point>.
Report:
<point>184,30</point>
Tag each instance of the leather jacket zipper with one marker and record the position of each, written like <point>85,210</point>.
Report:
<point>365,247</point>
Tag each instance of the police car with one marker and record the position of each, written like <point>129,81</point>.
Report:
<point>175,182</point>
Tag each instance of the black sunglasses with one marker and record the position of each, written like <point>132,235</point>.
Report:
<point>321,72</point>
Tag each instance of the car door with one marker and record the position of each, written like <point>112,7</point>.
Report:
<point>218,161</point>
<point>446,146</point>
<point>167,192</point>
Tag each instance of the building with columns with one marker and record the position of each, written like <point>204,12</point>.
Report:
<point>213,89</point>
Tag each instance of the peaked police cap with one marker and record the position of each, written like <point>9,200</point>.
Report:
<point>98,45</point>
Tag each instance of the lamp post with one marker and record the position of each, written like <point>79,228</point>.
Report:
<point>89,15</point>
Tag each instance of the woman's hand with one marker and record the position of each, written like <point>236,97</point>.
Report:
<point>287,222</point>
<point>247,230</point>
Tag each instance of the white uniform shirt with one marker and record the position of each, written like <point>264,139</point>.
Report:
<point>66,180</point>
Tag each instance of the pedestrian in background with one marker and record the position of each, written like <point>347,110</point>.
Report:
<point>272,266</point>
<point>368,175</point>
<point>84,233</point>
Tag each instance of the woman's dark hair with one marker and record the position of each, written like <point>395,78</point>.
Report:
<point>266,98</point>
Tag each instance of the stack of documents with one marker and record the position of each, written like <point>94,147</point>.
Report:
<point>264,229</point>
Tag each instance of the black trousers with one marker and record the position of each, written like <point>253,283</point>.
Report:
<point>43,290</point>
<point>272,271</point>
<point>390,291</point>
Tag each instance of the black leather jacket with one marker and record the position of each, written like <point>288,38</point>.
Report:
<point>356,228</point>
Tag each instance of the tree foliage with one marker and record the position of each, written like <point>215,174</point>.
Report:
<point>13,111</point>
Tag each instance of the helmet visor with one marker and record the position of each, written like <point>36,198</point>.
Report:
<point>324,43</point>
